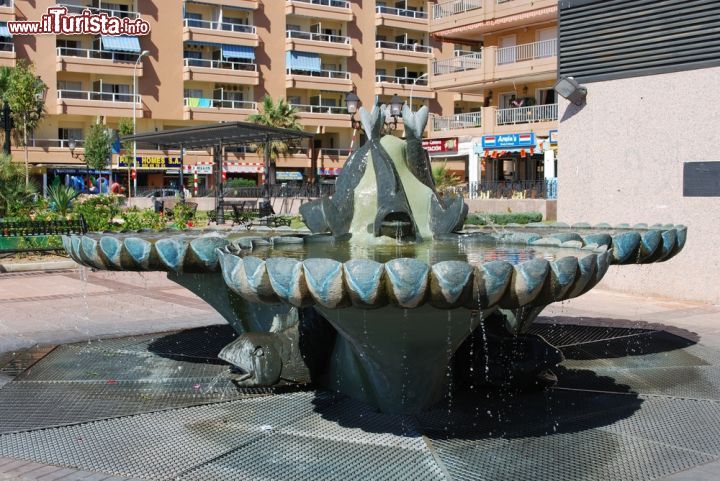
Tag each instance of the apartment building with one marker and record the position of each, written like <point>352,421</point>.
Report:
<point>214,60</point>
<point>500,71</point>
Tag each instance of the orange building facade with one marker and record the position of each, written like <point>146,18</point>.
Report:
<point>213,61</point>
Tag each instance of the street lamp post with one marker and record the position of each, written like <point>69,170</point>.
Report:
<point>352,102</point>
<point>134,102</point>
<point>413,87</point>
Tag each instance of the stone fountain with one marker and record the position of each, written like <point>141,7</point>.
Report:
<point>385,297</point>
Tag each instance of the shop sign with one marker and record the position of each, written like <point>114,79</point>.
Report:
<point>200,169</point>
<point>553,136</point>
<point>508,141</point>
<point>441,146</point>
<point>151,162</point>
<point>288,175</point>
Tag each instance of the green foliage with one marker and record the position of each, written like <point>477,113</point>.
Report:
<point>24,93</point>
<point>281,115</point>
<point>503,219</point>
<point>239,183</point>
<point>444,178</point>
<point>136,219</point>
<point>15,195</point>
<point>61,197</point>
<point>98,147</point>
<point>125,128</point>
<point>182,215</point>
<point>98,210</point>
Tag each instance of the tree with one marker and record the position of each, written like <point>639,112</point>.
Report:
<point>14,192</point>
<point>282,115</point>
<point>125,128</point>
<point>25,94</point>
<point>98,147</point>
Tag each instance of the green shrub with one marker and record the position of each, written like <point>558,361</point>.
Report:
<point>98,210</point>
<point>240,182</point>
<point>136,219</point>
<point>183,215</point>
<point>503,219</point>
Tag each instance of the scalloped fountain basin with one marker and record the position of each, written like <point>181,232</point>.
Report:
<point>400,310</point>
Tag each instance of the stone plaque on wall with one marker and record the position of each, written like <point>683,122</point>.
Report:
<point>701,179</point>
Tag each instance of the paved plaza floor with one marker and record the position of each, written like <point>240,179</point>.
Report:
<point>54,308</point>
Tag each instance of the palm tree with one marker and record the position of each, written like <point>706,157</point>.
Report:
<point>444,178</point>
<point>282,115</point>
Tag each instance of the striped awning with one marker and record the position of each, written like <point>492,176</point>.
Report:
<point>121,43</point>
<point>303,61</point>
<point>4,31</point>
<point>238,52</point>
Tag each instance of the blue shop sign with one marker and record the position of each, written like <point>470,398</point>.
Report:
<point>554,136</point>
<point>508,141</point>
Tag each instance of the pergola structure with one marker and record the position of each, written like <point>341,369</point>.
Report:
<point>217,137</point>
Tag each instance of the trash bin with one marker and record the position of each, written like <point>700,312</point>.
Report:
<point>158,206</point>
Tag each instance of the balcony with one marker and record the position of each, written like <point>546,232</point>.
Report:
<point>78,9</point>
<point>221,71</point>
<point>321,43</point>
<point>322,115</point>
<point>469,123</point>
<point>38,150</point>
<point>219,32</point>
<point>401,18</point>
<point>535,61</point>
<point>247,4</point>
<point>527,115</point>
<point>333,80</point>
<point>7,54</point>
<point>403,86</point>
<point>7,11</point>
<point>328,9</point>
<point>466,19</point>
<point>402,52</point>
<point>217,110</point>
<point>82,102</point>
<point>539,119</point>
<point>83,60</point>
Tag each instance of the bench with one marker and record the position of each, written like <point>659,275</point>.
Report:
<point>10,229</point>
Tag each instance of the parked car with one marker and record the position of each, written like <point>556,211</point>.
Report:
<point>163,193</point>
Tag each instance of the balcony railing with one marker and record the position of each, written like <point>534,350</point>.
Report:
<point>458,121</point>
<point>96,54</point>
<point>220,64</point>
<point>317,37</point>
<point>401,12</point>
<point>459,63</point>
<point>328,3</point>
<point>405,47</point>
<point>57,143</point>
<point>528,189</point>
<point>6,3</point>
<point>454,7</point>
<point>527,51</point>
<point>7,47</point>
<point>98,96</point>
<point>320,109</point>
<point>78,9</point>
<point>526,115</point>
<point>400,80</point>
<point>220,103</point>
<point>333,74</point>
<point>226,26</point>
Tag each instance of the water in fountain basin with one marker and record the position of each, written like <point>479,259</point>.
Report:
<point>384,249</point>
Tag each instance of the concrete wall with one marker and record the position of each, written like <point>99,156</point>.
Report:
<point>282,205</point>
<point>621,160</point>
<point>548,208</point>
